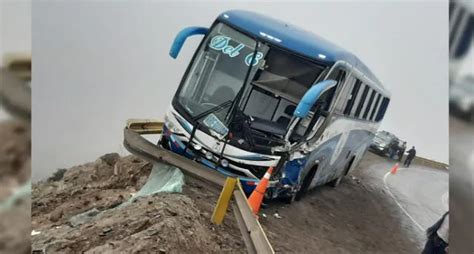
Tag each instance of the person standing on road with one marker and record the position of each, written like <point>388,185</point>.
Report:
<point>411,155</point>
<point>401,151</point>
<point>393,148</point>
<point>438,236</point>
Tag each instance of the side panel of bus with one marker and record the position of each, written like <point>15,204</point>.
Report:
<point>347,134</point>
<point>331,158</point>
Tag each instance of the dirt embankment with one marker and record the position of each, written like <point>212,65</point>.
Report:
<point>15,171</point>
<point>77,210</point>
<point>357,217</point>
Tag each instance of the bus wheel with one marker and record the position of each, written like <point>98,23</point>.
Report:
<point>334,183</point>
<point>305,185</point>
<point>288,199</point>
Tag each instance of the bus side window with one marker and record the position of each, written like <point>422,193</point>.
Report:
<point>324,102</point>
<point>382,109</point>
<point>369,104</point>
<point>376,106</point>
<point>361,102</point>
<point>338,75</point>
<point>352,96</point>
<point>365,102</point>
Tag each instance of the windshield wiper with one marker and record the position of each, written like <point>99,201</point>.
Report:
<point>203,114</point>
<point>232,103</point>
<point>212,110</point>
<point>230,114</point>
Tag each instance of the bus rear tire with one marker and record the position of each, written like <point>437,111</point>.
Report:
<point>334,183</point>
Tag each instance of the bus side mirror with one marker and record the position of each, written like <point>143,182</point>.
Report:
<point>311,96</point>
<point>183,35</point>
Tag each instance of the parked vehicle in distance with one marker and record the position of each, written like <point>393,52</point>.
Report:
<point>388,145</point>
<point>461,98</point>
<point>261,93</point>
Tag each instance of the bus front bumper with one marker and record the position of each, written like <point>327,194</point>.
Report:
<point>171,142</point>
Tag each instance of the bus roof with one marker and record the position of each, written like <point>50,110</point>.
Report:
<point>293,38</point>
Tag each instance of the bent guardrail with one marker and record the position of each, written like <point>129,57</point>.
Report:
<point>253,235</point>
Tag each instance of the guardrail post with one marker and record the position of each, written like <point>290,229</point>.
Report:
<point>223,201</point>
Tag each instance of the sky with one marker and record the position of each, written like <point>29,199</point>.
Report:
<point>15,27</point>
<point>97,64</point>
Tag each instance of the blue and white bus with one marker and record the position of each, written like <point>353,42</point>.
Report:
<point>262,93</point>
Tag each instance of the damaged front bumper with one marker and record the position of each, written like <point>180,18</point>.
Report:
<point>279,186</point>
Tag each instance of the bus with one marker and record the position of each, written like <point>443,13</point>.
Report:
<point>262,93</point>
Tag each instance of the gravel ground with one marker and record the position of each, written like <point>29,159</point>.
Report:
<point>162,223</point>
<point>356,217</point>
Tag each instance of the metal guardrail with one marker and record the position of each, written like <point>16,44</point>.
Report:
<point>145,126</point>
<point>253,235</point>
<point>252,232</point>
<point>141,147</point>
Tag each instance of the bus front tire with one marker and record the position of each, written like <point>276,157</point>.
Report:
<point>305,185</point>
<point>289,199</point>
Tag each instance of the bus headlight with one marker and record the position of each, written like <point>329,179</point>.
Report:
<point>209,156</point>
<point>197,147</point>
<point>170,125</point>
<point>224,163</point>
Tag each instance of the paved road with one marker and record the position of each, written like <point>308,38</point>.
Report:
<point>422,192</point>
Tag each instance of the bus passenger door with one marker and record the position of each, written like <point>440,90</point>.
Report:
<point>326,135</point>
<point>327,103</point>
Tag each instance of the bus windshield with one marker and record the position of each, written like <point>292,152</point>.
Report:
<point>276,89</point>
<point>277,79</point>
<point>218,72</point>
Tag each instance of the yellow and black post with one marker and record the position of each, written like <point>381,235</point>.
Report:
<point>224,199</point>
